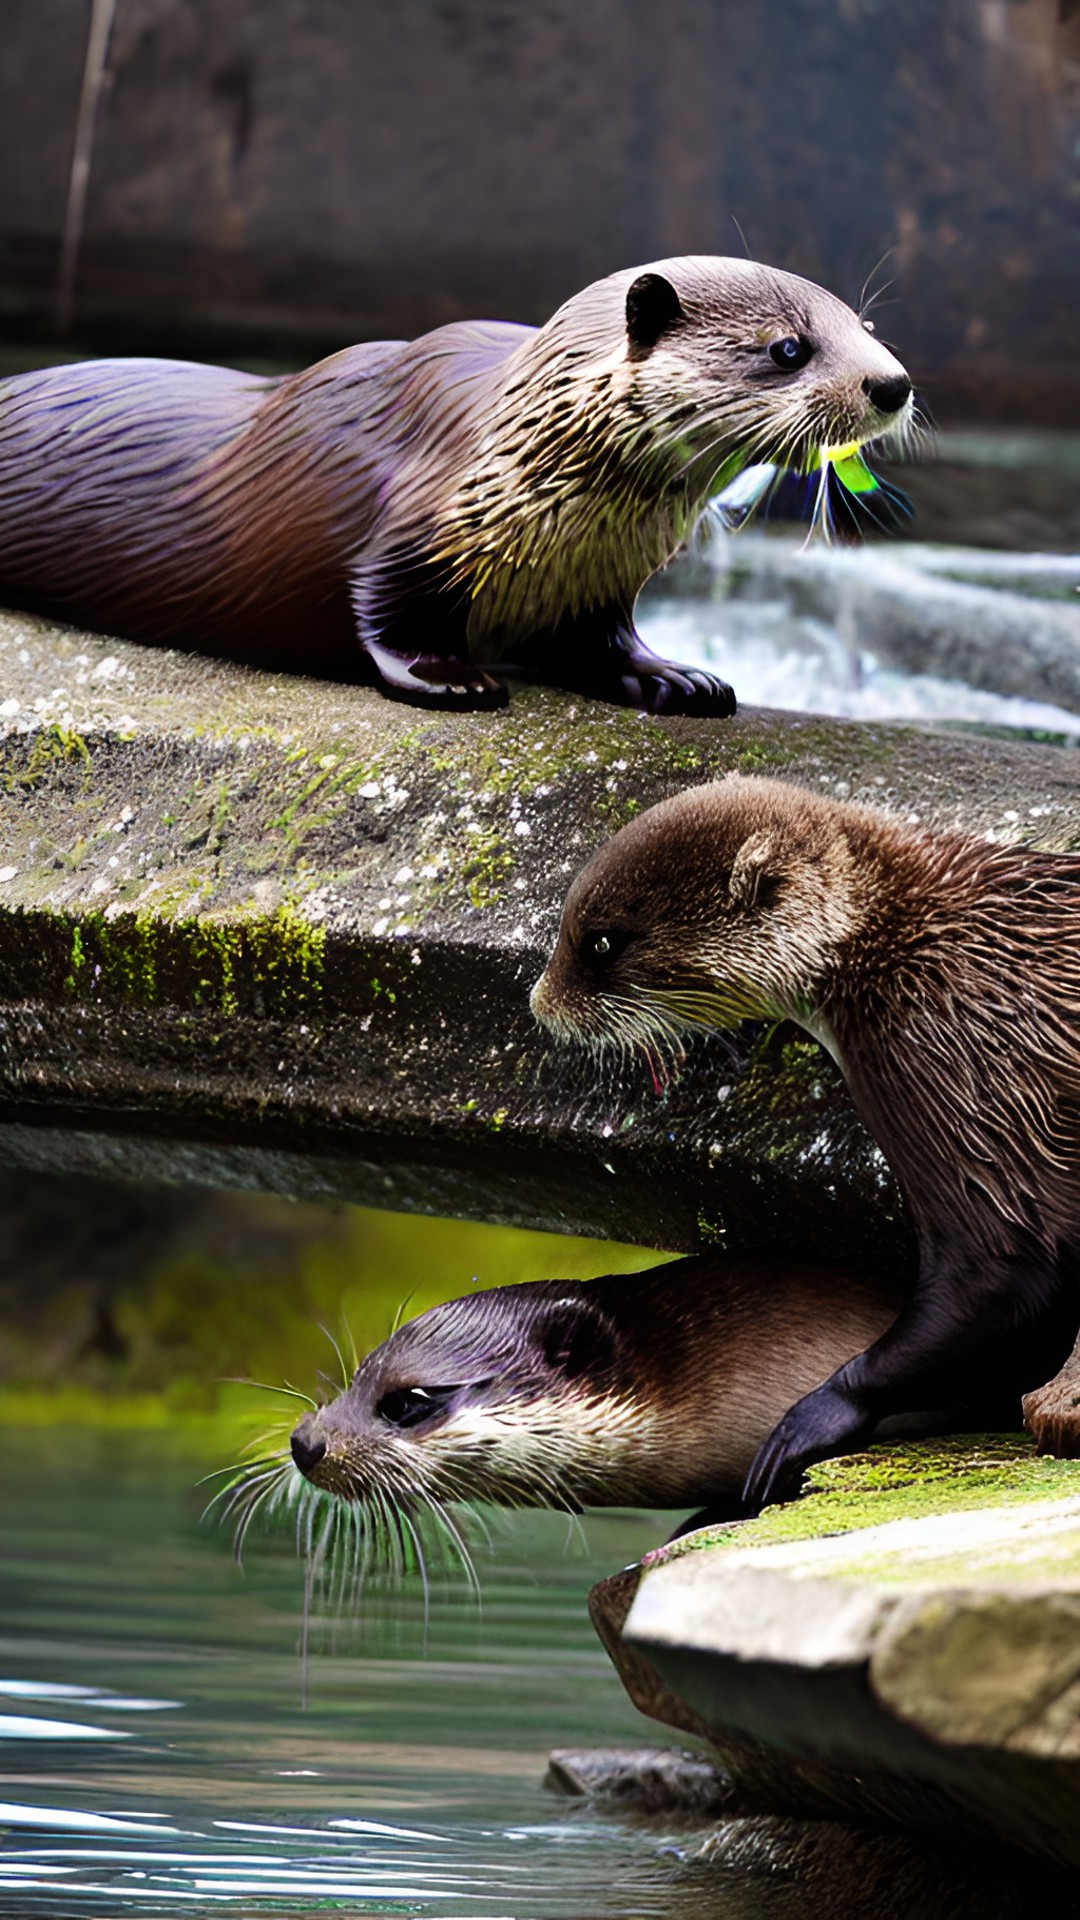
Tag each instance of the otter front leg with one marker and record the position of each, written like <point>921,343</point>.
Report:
<point>968,1332</point>
<point>601,654</point>
<point>411,626</point>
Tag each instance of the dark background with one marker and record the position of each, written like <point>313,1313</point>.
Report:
<point>286,175</point>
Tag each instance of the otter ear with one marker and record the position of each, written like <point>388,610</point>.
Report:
<point>574,1339</point>
<point>652,306</point>
<point>755,866</point>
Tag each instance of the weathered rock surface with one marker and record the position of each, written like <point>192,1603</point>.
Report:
<point>903,1645</point>
<point>271,932</point>
<point>647,1780</point>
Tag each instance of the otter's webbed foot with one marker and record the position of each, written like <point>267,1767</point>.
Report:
<point>434,679</point>
<point>1052,1412</point>
<point>411,624</point>
<point>601,654</point>
<point>976,1319</point>
<point>825,1422</point>
<point>662,686</point>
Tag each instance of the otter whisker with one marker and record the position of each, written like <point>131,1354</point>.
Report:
<point>389,1534</point>
<point>400,1311</point>
<point>248,1514</point>
<point>346,1375</point>
<point>457,1540</point>
<point>305,1636</point>
<point>418,1549</point>
<point>237,1469</point>
<point>308,1502</point>
<point>720,1006</point>
<point>246,1482</point>
<point>362,1557</point>
<point>265,1386</point>
<point>324,1538</point>
<point>270,1436</point>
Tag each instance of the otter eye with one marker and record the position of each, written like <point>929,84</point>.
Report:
<point>791,353</point>
<point>601,947</point>
<point>407,1406</point>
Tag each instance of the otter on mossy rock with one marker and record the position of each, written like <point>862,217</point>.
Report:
<point>638,1389</point>
<point>409,512</point>
<point>943,974</point>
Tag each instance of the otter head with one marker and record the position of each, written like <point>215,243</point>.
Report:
<point>614,424</point>
<point>471,1401</point>
<point>745,358</point>
<point>727,902</point>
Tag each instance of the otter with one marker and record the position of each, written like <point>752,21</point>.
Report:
<point>638,1389</point>
<point>943,974</point>
<point>411,511</point>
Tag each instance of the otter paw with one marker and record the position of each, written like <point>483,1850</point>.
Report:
<point>815,1428</point>
<point>435,680</point>
<point>662,686</point>
<point>1052,1413</point>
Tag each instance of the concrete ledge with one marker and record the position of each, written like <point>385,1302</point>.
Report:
<point>276,932</point>
<point>905,1643</point>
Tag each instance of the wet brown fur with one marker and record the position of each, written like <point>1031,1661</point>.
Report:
<point>942,971</point>
<point>647,1389</point>
<point>455,495</point>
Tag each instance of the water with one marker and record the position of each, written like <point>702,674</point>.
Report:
<point>156,1756</point>
<point>775,658</point>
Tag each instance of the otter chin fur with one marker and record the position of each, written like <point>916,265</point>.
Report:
<point>644,1389</point>
<point>943,974</point>
<point>414,511</point>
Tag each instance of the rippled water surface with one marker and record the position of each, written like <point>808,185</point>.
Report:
<point>157,1757</point>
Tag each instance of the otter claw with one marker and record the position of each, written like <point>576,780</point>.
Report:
<point>667,688</point>
<point>434,679</point>
<point>820,1425</point>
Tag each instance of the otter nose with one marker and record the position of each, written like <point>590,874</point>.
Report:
<point>888,396</point>
<point>307,1448</point>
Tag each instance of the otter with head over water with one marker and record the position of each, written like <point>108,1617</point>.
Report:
<point>411,512</point>
<point>638,1389</point>
<point>943,975</point>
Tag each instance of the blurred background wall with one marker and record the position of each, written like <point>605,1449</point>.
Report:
<point>287,175</point>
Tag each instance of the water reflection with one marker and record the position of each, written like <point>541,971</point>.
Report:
<point>159,1759</point>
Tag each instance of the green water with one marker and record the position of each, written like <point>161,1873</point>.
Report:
<point>158,1756</point>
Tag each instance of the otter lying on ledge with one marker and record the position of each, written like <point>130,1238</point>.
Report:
<point>412,511</point>
<point>639,1389</point>
<point>943,974</point>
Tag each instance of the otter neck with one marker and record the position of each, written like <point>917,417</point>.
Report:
<point>900,906</point>
<point>882,894</point>
<point>818,1026</point>
<point>577,493</point>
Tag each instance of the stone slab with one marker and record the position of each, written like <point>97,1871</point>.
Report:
<point>905,1642</point>
<point>269,931</point>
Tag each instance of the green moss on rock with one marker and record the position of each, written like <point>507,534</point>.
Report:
<point>137,959</point>
<point>904,1482</point>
